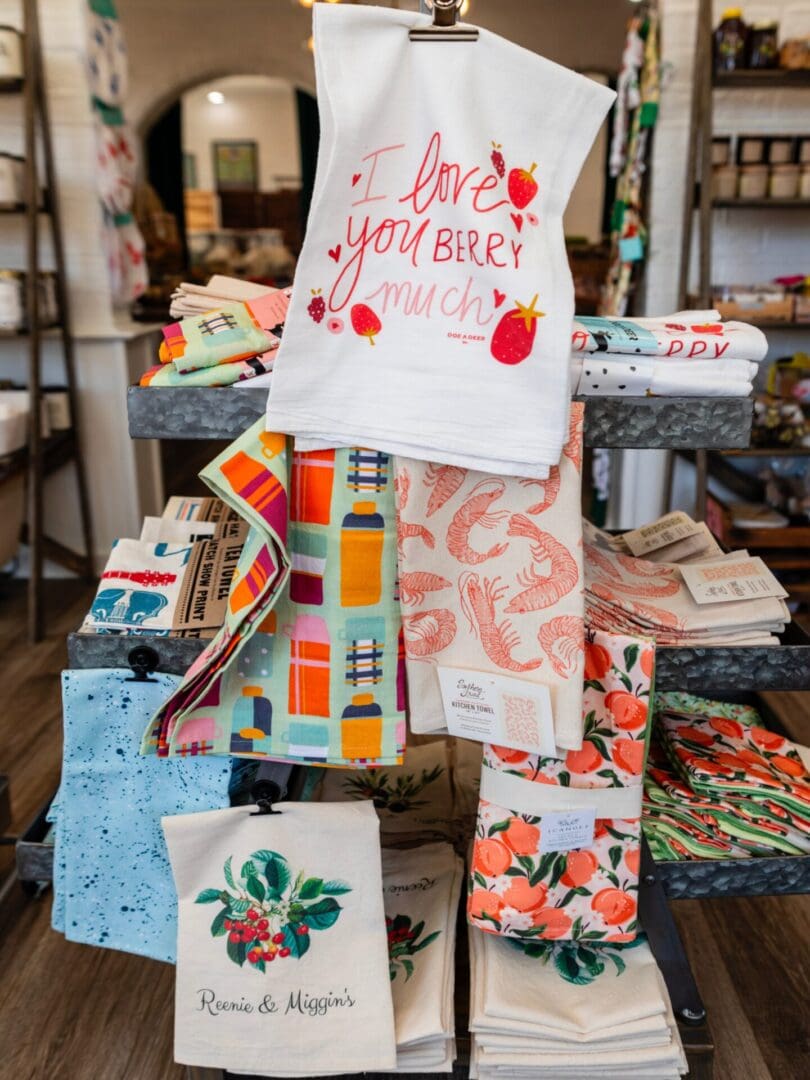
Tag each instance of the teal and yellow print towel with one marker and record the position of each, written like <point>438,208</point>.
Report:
<point>309,666</point>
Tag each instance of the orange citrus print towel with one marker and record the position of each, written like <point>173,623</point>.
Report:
<point>491,580</point>
<point>515,888</point>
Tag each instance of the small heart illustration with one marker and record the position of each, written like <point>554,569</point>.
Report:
<point>499,297</point>
<point>356,178</point>
<point>334,253</point>
<point>518,220</point>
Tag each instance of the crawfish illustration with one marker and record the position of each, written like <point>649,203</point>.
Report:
<point>563,640</point>
<point>542,591</point>
<point>475,511</point>
<point>406,530</point>
<point>445,481</point>
<point>499,640</point>
<point>551,489</point>
<point>428,631</point>
<point>412,587</point>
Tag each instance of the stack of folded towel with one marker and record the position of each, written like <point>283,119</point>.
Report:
<point>222,339</point>
<point>624,593</point>
<point>720,785</point>
<point>421,890</point>
<point>569,1010</point>
<point>688,353</point>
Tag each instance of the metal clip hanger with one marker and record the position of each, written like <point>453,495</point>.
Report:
<point>143,660</point>
<point>270,786</point>
<point>444,28</point>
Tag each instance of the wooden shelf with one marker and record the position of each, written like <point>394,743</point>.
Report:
<point>761,79</point>
<point>761,204</point>
<point>776,325</point>
<point>57,450</point>
<point>11,86</point>
<point>630,422</point>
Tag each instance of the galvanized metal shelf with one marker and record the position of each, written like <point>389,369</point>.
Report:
<point>629,422</point>
<point>701,879</point>
<point>176,654</point>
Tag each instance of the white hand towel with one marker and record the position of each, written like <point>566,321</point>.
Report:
<point>416,324</point>
<point>686,335</point>
<point>291,977</point>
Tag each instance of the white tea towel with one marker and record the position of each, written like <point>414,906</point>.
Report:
<point>291,976</point>
<point>686,335</point>
<point>490,580</point>
<point>620,375</point>
<point>433,299</point>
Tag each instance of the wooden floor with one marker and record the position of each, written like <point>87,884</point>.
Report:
<point>74,1013</point>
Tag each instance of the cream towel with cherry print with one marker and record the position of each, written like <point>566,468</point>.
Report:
<point>590,893</point>
<point>433,301</point>
<point>491,580</point>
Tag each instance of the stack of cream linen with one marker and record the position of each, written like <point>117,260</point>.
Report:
<point>421,889</point>
<point>629,595</point>
<point>691,353</point>
<point>191,299</point>
<point>569,1010</point>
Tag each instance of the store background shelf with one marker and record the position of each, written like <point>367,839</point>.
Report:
<point>224,413</point>
<point>763,79</point>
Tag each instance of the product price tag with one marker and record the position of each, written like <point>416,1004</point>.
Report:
<point>658,534</point>
<point>565,830</point>
<point>498,709</point>
<point>731,579</point>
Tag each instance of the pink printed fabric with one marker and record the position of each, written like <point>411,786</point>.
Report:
<point>589,893</point>
<point>491,580</point>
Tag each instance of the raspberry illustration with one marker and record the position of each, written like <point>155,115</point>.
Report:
<point>316,307</point>
<point>497,160</point>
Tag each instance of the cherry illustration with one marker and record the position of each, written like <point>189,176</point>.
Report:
<point>522,186</point>
<point>262,924</point>
<point>365,322</point>
<point>302,930</point>
<point>277,939</point>
<point>513,338</point>
<point>252,914</point>
<point>284,952</point>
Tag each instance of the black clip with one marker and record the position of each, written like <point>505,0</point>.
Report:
<point>270,786</point>
<point>444,26</point>
<point>143,660</point>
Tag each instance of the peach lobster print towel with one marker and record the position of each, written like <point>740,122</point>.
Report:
<point>491,580</point>
<point>433,300</point>
<point>519,889</point>
<point>282,957</point>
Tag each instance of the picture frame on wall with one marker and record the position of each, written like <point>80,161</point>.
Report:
<point>236,165</point>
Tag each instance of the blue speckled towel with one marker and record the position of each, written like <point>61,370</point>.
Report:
<point>112,881</point>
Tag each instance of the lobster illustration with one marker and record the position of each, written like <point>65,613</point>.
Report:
<point>542,591</point>
<point>475,511</point>
<point>499,640</point>
<point>445,481</point>
<point>412,587</point>
<point>428,631</point>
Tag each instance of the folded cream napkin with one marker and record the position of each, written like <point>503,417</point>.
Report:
<point>611,374</point>
<point>282,961</point>
<point>686,335</point>
<point>490,581</point>
<point>433,299</point>
<point>421,890</point>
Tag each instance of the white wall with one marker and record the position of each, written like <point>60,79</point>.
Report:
<point>255,107</point>
<point>747,246</point>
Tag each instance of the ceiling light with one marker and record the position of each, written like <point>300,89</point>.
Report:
<point>306,3</point>
<point>309,44</point>
<point>465,7</point>
<point>216,97</point>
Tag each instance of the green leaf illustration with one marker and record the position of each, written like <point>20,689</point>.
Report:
<point>527,863</point>
<point>499,826</point>
<point>218,925</point>
<point>426,941</point>
<point>248,870</point>
<point>311,888</point>
<point>256,889</point>
<point>630,656</point>
<point>566,964</point>
<point>335,888</point>
<point>298,944</point>
<point>277,874</point>
<point>591,960</point>
<point>594,684</point>
<point>560,864</point>
<point>237,951</point>
<point>239,907</point>
<point>625,682</point>
<point>408,966</point>
<point>615,854</point>
<point>228,873</point>
<point>322,914</point>
<point>208,896</point>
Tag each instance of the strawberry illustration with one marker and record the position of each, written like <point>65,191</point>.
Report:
<point>514,335</point>
<point>365,322</point>
<point>497,159</point>
<point>316,307</point>
<point>522,186</point>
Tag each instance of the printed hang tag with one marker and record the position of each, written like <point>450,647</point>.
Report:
<point>728,580</point>
<point>565,830</point>
<point>498,709</point>
<point>661,533</point>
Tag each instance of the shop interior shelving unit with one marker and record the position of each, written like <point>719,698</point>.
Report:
<point>43,456</point>
<point>609,422</point>
<point>699,197</point>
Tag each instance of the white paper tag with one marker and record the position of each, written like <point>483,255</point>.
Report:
<point>658,534</point>
<point>731,579</point>
<point>564,830</point>
<point>498,709</point>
